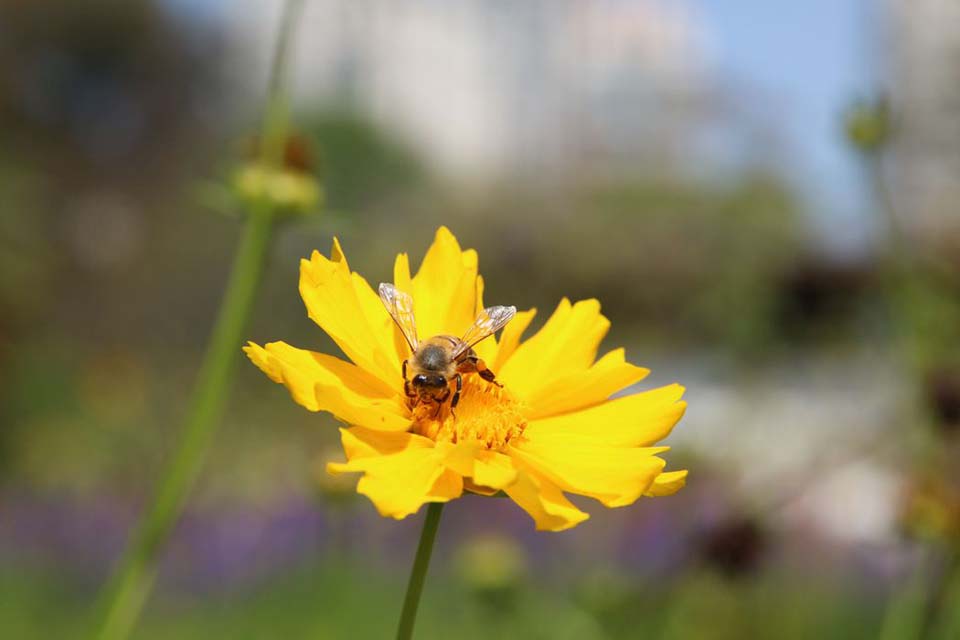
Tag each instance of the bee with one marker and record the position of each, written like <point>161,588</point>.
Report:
<point>439,363</point>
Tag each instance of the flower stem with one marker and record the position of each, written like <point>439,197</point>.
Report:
<point>130,585</point>
<point>419,572</point>
<point>940,619</point>
<point>903,618</point>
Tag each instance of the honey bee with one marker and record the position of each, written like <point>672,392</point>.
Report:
<point>441,361</point>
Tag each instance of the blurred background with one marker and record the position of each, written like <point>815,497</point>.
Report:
<point>762,195</point>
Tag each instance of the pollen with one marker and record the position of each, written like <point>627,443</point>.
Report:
<point>487,413</point>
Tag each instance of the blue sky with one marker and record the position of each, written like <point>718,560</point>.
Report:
<point>815,57</point>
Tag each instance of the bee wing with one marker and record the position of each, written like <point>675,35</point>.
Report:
<point>400,306</point>
<point>490,320</point>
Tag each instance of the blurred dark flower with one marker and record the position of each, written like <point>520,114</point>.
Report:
<point>943,398</point>
<point>868,125</point>
<point>818,294</point>
<point>734,546</point>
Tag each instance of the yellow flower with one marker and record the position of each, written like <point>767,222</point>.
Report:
<point>552,428</point>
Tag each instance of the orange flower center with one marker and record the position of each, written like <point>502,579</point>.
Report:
<point>486,413</point>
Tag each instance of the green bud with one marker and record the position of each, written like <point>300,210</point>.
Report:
<point>868,125</point>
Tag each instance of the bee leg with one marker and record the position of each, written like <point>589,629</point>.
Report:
<point>440,402</point>
<point>486,373</point>
<point>456,395</point>
<point>407,389</point>
<point>411,394</point>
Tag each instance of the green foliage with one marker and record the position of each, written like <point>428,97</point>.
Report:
<point>346,599</point>
<point>673,263</point>
<point>359,164</point>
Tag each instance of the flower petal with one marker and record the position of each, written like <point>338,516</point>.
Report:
<point>448,294</point>
<point>449,486</point>
<point>510,338</point>
<point>382,325</point>
<point>359,442</point>
<point>639,419</point>
<point>566,344</point>
<point>616,476</point>
<point>320,382</point>
<point>399,483</point>
<point>580,389</point>
<point>489,469</point>
<point>493,469</point>
<point>485,349</point>
<point>473,487</point>
<point>349,312</point>
<point>667,484</point>
<point>445,288</point>
<point>544,502</point>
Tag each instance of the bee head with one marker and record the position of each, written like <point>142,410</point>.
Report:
<point>429,381</point>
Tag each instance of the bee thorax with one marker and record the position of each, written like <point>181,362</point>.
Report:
<point>433,357</point>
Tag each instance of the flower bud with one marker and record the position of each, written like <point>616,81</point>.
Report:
<point>867,125</point>
<point>491,565</point>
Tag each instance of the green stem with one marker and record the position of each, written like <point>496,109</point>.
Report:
<point>942,621</point>
<point>904,615</point>
<point>133,579</point>
<point>419,572</point>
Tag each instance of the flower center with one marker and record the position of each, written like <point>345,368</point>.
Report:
<point>486,413</point>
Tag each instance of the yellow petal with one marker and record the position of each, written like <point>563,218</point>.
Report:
<point>458,457</point>
<point>544,502</point>
<point>486,349</point>
<point>320,382</point>
<point>616,476</point>
<point>510,338</point>
<point>582,389</point>
<point>343,306</point>
<point>566,344</point>
<point>359,442</point>
<point>479,306</point>
<point>484,472</point>
<point>401,273</point>
<point>489,469</point>
<point>449,486</point>
<point>493,469</point>
<point>667,483</point>
<point>445,288</point>
<point>470,485</point>
<point>640,419</point>
<point>447,293</point>
<point>399,483</point>
<point>382,326</point>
